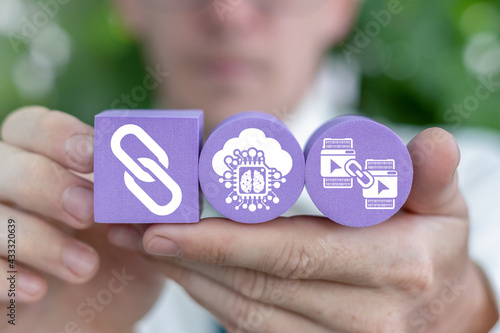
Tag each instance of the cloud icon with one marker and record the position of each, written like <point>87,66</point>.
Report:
<point>275,157</point>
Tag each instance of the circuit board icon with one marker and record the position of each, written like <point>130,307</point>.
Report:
<point>252,182</point>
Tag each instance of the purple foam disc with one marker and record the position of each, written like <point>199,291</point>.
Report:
<point>358,172</point>
<point>146,166</point>
<point>252,168</point>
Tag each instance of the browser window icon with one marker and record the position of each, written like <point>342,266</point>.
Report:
<point>334,157</point>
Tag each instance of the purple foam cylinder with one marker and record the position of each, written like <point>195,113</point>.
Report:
<point>252,168</point>
<point>146,166</point>
<point>359,173</point>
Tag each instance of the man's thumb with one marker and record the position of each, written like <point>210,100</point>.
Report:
<point>435,155</point>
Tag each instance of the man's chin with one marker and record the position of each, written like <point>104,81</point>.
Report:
<point>217,111</point>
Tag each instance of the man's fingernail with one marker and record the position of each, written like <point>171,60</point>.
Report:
<point>126,237</point>
<point>79,202</point>
<point>79,259</point>
<point>163,246</point>
<point>30,284</point>
<point>79,150</point>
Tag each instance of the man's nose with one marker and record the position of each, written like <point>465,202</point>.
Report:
<point>237,16</point>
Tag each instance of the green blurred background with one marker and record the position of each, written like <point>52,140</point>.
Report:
<point>432,56</point>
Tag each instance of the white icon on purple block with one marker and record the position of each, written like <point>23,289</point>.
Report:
<point>339,169</point>
<point>253,167</point>
<point>384,191</point>
<point>334,157</point>
<point>251,180</point>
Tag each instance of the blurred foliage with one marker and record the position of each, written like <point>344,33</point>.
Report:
<point>428,58</point>
<point>104,63</point>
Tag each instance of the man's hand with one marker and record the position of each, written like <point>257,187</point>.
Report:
<point>69,276</point>
<point>411,273</point>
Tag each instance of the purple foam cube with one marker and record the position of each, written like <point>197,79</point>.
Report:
<point>146,166</point>
<point>358,172</point>
<point>252,168</point>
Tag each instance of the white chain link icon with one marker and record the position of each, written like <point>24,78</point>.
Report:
<point>149,164</point>
<point>359,174</point>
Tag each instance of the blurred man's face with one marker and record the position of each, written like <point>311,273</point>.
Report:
<point>229,56</point>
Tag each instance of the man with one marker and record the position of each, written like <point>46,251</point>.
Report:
<point>411,273</point>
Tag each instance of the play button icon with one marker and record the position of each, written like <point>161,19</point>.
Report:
<point>381,187</point>
<point>334,166</point>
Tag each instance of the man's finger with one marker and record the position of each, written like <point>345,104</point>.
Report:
<point>54,134</point>
<point>303,247</point>
<point>27,285</point>
<point>235,311</point>
<point>37,183</point>
<point>330,304</point>
<point>435,191</point>
<point>47,249</point>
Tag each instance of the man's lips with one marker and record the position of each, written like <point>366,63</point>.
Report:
<point>228,68</point>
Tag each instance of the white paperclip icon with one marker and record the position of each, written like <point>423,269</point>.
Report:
<point>157,170</point>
